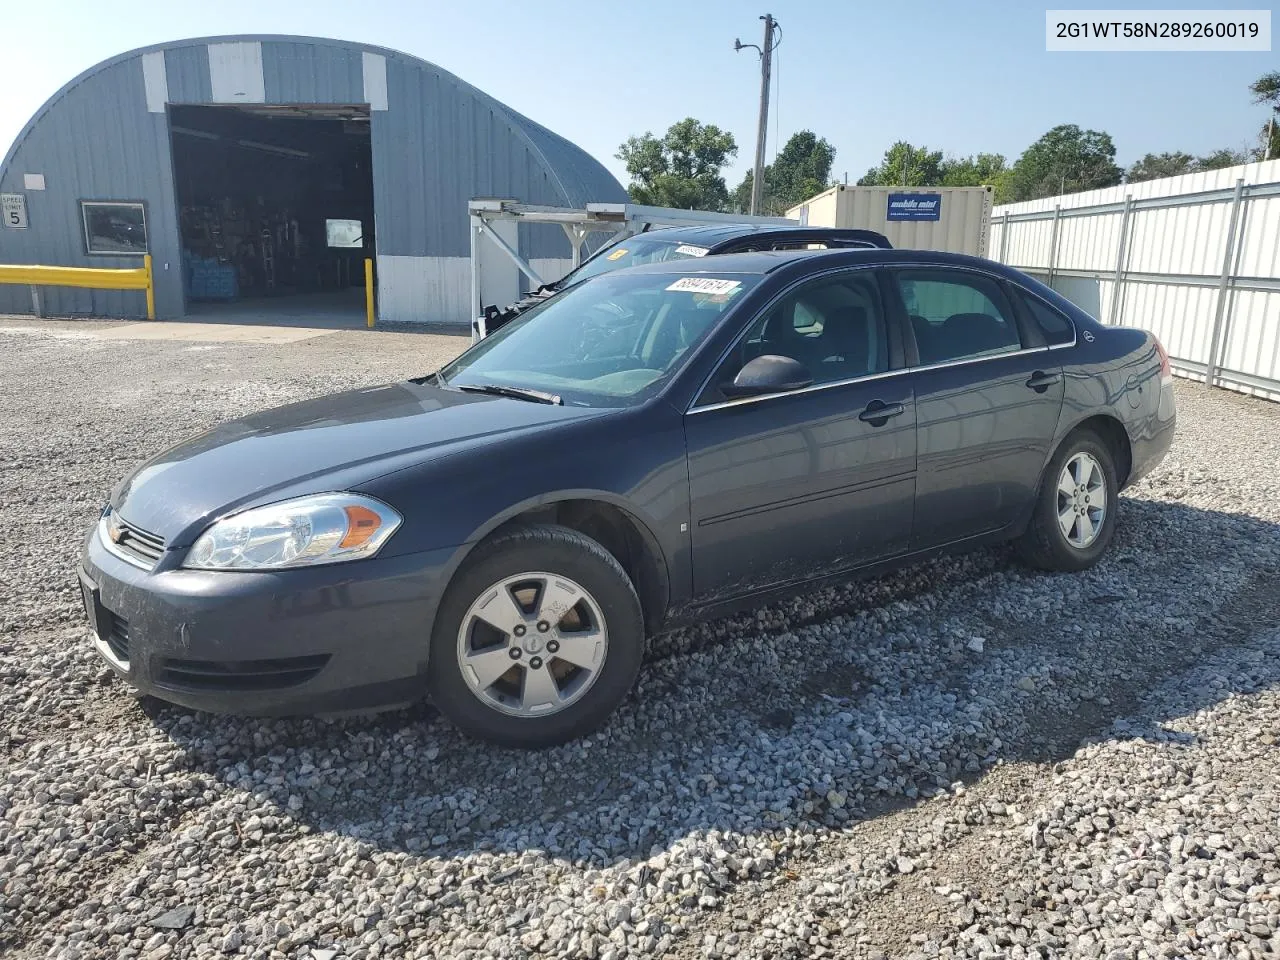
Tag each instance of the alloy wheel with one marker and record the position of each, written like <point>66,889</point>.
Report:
<point>532,644</point>
<point>1082,500</point>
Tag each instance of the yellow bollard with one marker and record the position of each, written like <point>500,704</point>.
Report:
<point>151,287</point>
<point>368,291</point>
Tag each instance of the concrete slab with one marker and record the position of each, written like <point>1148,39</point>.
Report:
<point>336,310</point>
<point>209,332</point>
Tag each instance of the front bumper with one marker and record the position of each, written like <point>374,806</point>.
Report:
<point>350,636</point>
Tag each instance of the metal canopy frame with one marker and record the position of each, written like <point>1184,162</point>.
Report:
<point>621,219</point>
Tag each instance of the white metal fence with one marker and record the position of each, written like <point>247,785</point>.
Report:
<point>1194,259</point>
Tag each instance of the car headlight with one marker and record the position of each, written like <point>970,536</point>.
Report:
<point>324,528</point>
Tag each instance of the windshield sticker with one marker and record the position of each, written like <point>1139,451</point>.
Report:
<point>712,285</point>
<point>689,250</point>
<point>617,254</point>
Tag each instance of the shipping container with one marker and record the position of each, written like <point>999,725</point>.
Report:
<point>954,219</point>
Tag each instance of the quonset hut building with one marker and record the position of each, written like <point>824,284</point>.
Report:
<point>264,169</point>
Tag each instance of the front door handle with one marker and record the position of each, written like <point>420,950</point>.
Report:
<point>1041,381</point>
<point>878,412</point>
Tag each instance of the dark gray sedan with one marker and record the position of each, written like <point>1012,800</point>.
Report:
<point>652,446</point>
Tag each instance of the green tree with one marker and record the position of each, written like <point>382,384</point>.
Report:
<point>1065,160</point>
<point>742,192</point>
<point>1266,89</point>
<point>1153,165</point>
<point>905,165</point>
<point>1002,184</point>
<point>801,169</point>
<point>1156,165</point>
<point>1223,158</point>
<point>976,171</point>
<point>682,169</point>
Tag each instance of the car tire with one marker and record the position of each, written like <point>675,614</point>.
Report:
<point>1057,537</point>
<point>541,569</point>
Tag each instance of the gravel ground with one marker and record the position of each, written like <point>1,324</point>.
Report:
<point>964,759</point>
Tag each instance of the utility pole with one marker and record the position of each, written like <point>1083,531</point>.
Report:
<point>766,69</point>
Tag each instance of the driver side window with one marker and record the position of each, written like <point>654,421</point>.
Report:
<point>834,327</point>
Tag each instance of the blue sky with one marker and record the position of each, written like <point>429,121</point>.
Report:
<point>961,77</point>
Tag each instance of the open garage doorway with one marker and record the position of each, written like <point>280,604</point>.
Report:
<point>275,211</point>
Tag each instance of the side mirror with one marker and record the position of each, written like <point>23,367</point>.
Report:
<point>768,374</point>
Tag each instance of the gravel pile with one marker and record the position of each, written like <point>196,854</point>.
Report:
<point>964,759</point>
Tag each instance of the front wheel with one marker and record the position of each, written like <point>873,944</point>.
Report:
<point>1075,512</point>
<point>539,638</point>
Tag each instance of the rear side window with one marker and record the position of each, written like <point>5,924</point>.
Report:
<point>957,315</point>
<point>1056,327</point>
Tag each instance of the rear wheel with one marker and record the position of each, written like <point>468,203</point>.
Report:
<point>1075,512</point>
<point>539,638</point>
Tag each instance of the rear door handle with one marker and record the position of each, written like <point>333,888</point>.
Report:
<point>878,412</point>
<point>1041,381</point>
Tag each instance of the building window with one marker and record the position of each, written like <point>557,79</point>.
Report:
<point>114,229</point>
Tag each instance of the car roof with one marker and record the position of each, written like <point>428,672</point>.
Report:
<point>768,261</point>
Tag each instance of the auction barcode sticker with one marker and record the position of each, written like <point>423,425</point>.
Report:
<point>689,250</point>
<point>1176,30</point>
<point>705,285</point>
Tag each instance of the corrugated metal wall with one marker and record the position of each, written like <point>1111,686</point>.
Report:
<point>98,142</point>
<point>439,143</point>
<point>188,73</point>
<point>302,72</point>
<point>1194,257</point>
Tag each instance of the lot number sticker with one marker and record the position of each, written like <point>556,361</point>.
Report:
<point>617,254</point>
<point>689,250</point>
<point>13,209</point>
<point>712,285</point>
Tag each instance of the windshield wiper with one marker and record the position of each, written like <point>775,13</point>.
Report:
<point>518,393</point>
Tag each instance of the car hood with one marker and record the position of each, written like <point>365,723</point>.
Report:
<point>329,443</point>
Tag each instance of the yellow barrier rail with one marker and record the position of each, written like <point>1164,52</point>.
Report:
<point>92,278</point>
<point>368,292</point>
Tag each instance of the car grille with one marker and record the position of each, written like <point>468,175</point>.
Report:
<point>116,635</point>
<point>138,543</point>
<point>235,675</point>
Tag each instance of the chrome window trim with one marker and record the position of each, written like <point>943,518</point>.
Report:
<point>814,388</point>
<point>742,401</point>
<point>869,377</point>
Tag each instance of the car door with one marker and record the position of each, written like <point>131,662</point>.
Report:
<point>988,396</point>
<point>792,485</point>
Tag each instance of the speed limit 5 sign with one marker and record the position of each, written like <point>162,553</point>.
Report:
<point>13,210</point>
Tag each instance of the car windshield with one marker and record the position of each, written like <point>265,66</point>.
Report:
<point>631,252</point>
<point>611,342</point>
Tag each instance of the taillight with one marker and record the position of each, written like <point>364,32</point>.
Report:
<point>1166,368</point>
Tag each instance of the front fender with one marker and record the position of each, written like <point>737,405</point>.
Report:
<point>633,460</point>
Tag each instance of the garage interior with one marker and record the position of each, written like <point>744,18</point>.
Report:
<point>275,211</point>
